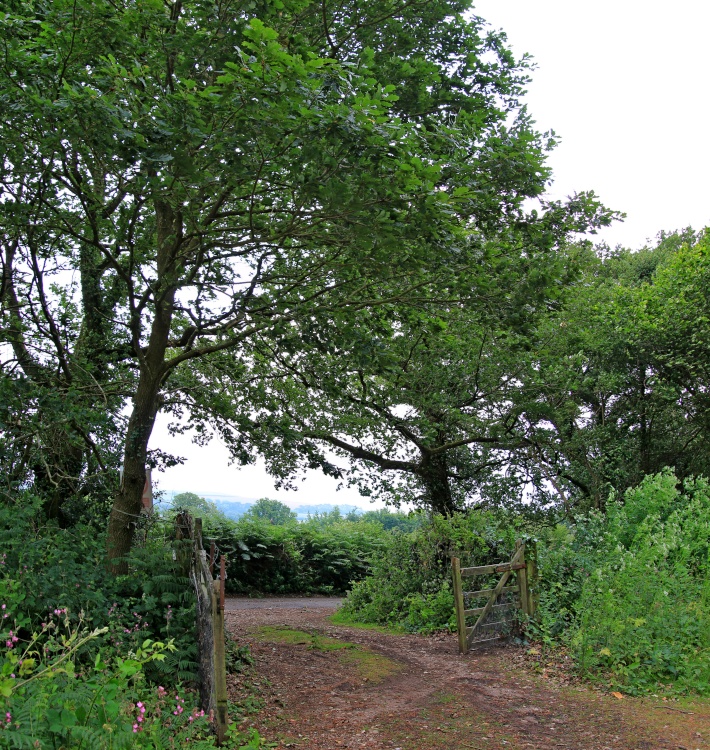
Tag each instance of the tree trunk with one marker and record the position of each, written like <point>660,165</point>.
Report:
<point>127,504</point>
<point>434,475</point>
<point>146,402</point>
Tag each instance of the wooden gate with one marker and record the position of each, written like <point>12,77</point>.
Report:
<point>494,618</point>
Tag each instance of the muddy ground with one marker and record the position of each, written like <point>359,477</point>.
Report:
<point>319,686</point>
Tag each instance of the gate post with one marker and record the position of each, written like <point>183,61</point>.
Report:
<point>459,604</point>
<point>220,668</point>
<point>202,582</point>
<point>531,576</point>
<point>522,577</point>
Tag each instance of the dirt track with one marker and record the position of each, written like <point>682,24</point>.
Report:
<point>411,692</point>
<point>234,603</point>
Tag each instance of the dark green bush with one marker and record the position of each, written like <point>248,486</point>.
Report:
<point>306,558</point>
<point>44,568</point>
<point>629,592</point>
<point>644,612</point>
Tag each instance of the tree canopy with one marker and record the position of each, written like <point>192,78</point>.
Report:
<point>198,506</point>
<point>618,382</point>
<point>181,179</point>
<point>273,511</point>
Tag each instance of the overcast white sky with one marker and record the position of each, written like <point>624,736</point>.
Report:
<point>625,84</point>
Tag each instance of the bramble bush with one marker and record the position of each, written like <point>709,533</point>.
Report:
<point>50,700</point>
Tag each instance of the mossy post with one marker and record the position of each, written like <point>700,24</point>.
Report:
<point>531,576</point>
<point>202,582</point>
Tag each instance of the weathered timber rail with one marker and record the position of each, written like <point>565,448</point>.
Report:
<point>502,600</point>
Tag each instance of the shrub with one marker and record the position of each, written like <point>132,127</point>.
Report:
<point>50,698</point>
<point>44,568</point>
<point>306,558</point>
<point>409,581</point>
<point>567,554</point>
<point>644,612</point>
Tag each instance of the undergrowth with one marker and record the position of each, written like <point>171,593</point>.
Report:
<point>626,592</point>
<point>91,660</point>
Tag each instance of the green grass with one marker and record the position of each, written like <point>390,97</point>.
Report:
<point>338,618</point>
<point>293,637</point>
<point>443,698</point>
<point>370,666</point>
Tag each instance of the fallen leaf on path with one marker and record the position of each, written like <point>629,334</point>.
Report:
<point>618,695</point>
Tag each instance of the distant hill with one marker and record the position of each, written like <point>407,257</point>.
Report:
<point>235,506</point>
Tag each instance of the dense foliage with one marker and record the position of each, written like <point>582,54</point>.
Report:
<point>324,555</point>
<point>182,182</point>
<point>271,511</point>
<point>641,616</point>
<point>617,386</point>
<point>626,592</point>
<point>89,659</point>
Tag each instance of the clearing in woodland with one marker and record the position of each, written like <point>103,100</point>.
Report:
<point>323,686</point>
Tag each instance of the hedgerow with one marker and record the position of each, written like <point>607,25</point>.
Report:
<point>643,614</point>
<point>305,558</point>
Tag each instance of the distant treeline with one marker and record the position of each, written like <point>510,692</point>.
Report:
<point>235,509</point>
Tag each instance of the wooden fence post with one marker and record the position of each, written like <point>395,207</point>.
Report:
<point>459,603</point>
<point>220,664</point>
<point>531,575</point>
<point>202,582</point>
<point>523,579</point>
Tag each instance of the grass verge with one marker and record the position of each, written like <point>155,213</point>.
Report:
<point>371,666</point>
